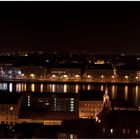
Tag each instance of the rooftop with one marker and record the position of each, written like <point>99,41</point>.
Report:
<point>45,115</point>
<point>91,95</point>
<point>9,98</point>
<point>122,103</point>
<point>55,95</point>
<point>125,119</point>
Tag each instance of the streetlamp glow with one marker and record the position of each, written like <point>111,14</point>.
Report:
<point>32,76</point>
<point>126,77</point>
<point>113,77</point>
<point>102,76</point>
<point>137,77</point>
<point>88,76</point>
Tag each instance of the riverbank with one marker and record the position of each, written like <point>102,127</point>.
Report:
<point>68,82</point>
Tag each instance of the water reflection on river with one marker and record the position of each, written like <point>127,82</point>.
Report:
<point>127,92</point>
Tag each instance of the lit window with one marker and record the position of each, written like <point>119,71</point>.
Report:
<point>124,131</point>
<point>111,131</point>
<point>103,130</point>
<point>28,97</point>
<point>71,99</point>
<point>71,102</point>
<point>137,132</point>
<point>47,103</point>
<point>72,105</point>
<point>71,110</point>
<point>54,104</point>
<point>128,131</point>
<point>47,61</point>
<point>40,101</point>
<point>11,108</point>
<point>71,136</point>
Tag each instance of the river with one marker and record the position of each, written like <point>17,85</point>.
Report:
<point>127,91</point>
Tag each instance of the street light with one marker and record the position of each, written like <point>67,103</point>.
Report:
<point>137,77</point>
<point>113,77</point>
<point>65,76</point>
<point>32,76</point>
<point>88,76</point>
<point>102,76</point>
<point>126,77</point>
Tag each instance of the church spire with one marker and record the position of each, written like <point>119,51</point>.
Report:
<point>106,100</point>
<point>106,90</point>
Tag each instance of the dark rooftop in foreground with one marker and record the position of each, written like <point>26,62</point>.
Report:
<point>58,95</point>
<point>45,115</point>
<point>9,98</point>
<point>122,103</point>
<point>99,66</point>
<point>125,119</point>
<point>91,95</point>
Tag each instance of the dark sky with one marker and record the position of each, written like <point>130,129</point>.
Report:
<point>91,26</point>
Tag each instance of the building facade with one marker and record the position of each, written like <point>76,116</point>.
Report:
<point>9,108</point>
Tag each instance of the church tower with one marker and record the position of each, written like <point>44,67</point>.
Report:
<point>106,99</point>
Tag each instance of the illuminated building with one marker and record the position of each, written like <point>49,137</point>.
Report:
<point>67,72</point>
<point>119,104</point>
<point>78,129</point>
<point>90,103</point>
<point>50,108</point>
<point>120,124</point>
<point>9,108</point>
<point>100,71</point>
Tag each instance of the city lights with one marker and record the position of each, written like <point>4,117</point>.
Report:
<point>137,77</point>
<point>102,76</point>
<point>70,70</point>
<point>32,76</point>
<point>11,108</point>
<point>89,76</point>
<point>126,77</point>
<point>113,77</point>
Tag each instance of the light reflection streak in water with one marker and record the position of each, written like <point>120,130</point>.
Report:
<point>3,86</point>
<point>53,88</point>
<point>23,87</point>
<point>136,93</point>
<point>18,87</point>
<point>33,87</point>
<point>41,88</point>
<point>65,88</point>
<point>113,92</point>
<point>89,87</point>
<point>126,93</point>
<point>10,87</point>
<point>76,88</point>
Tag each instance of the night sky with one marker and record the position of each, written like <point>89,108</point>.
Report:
<point>90,26</point>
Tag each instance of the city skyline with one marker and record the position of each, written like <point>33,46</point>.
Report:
<point>69,70</point>
<point>105,27</point>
